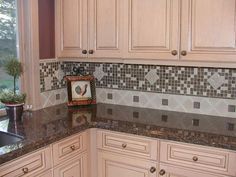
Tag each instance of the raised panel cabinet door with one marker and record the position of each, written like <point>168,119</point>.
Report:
<point>71,26</point>
<point>76,167</point>
<point>208,30</point>
<point>45,174</point>
<point>172,171</point>
<point>106,27</point>
<point>153,29</point>
<point>112,165</point>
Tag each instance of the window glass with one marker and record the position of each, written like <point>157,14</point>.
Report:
<point>8,39</point>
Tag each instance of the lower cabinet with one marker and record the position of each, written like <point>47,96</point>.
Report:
<point>76,167</point>
<point>30,165</point>
<point>118,155</point>
<point>172,171</point>
<point>45,174</point>
<point>115,165</point>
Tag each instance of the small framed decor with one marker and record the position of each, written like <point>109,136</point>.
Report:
<point>81,90</point>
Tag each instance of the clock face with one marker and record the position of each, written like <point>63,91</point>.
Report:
<point>81,90</point>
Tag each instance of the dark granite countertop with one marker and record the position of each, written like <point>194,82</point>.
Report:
<point>43,127</point>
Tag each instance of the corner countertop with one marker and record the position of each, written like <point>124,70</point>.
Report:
<point>43,127</point>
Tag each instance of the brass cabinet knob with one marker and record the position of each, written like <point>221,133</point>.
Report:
<point>195,158</point>
<point>184,53</point>
<point>124,145</point>
<point>91,51</point>
<point>25,170</point>
<point>84,51</point>
<point>174,52</point>
<point>162,172</point>
<point>152,169</point>
<point>72,147</point>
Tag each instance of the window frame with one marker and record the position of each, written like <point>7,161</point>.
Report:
<point>20,42</point>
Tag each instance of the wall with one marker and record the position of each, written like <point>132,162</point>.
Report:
<point>208,91</point>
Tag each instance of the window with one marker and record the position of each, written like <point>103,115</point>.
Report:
<point>8,39</point>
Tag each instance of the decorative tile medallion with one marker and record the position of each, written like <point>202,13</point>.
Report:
<point>216,81</point>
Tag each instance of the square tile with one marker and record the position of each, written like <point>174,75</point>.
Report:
<point>231,108</point>
<point>165,102</point>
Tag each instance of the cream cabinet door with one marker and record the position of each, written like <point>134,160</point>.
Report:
<point>111,165</point>
<point>152,29</point>
<point>71,28</point>
<point>45,174</point>
<point>208,30</point>
<point>171,171</point>
<point>106,26</point>
<point>76,167</point>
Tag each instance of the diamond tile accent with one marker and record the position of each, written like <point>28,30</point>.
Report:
<point>152,76</point>
<point>99,73</point>
<point>216,80</point>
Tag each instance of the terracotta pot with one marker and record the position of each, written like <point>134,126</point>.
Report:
<point>14,111</point>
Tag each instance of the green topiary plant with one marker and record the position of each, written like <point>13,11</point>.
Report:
<point>13,68</point>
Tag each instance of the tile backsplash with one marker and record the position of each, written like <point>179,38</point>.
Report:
<point>188,81</point>
<point>209,91</point>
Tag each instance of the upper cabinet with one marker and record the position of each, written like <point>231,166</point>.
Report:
<point>106,28</point>
<point>208,30</point>
<point>181,32</point>
<point>71,26</point>
<point>90,28</point>
<point>152,29</point>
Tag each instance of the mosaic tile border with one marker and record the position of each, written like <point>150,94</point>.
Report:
<point>191,81</point>
<point>179,103</point>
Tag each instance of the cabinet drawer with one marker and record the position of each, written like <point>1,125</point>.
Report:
<point>29,165</point>
<point>69,147</point>
<point>198,157</point>
<point>128,144</point>
<point>173,171</point>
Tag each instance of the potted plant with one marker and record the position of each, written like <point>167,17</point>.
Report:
<point>13,99</point>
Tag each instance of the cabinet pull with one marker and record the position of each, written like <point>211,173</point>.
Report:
<point>162,172</point>
<point>184,52</point>
<point>25,170</point>
<point>174,52</point>
<point>124,145</point>
<point>195,158</point>
<point>91,51</point>
<point>152,169</point>
<point>72,147</point>
<point>84,51</point>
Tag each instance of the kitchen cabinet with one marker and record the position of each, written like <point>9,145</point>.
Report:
<point>187,32</point>
<point>30,165</point>
<point>112,165</point>
<point>102,153</point>
<point>152,29</point>
<point>71,26</point>
<point>130,145</point>
<point>69,147</point>
<point>208,30</point>
<point>76,167</point>
<point>89,28</point>
<point>190,31</point>
<point>106,28</point>
<point>46,174</point>
<point>199,158</point>
<point>172,171</point>
<point>70,156</point>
